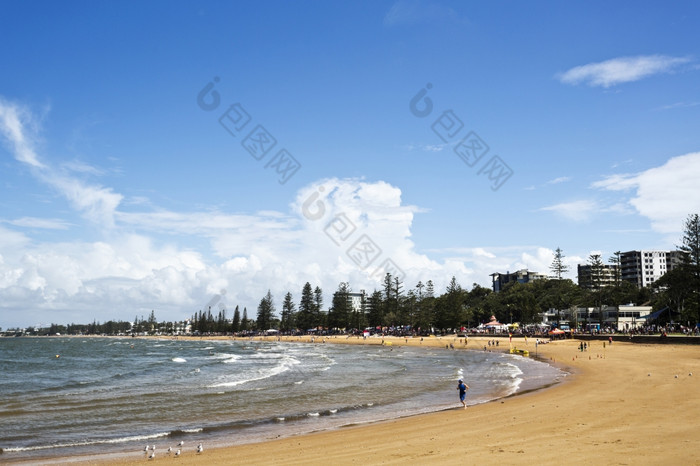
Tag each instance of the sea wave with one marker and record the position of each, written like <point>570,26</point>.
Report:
<point>262,373</point>
<point>135,438</point>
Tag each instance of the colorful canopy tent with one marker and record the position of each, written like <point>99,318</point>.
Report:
<point>494,324</point>
<point>557,331</point>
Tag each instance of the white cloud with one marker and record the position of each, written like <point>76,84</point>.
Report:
<point>621,70</point>
<point>16,125</point>
<point>559,180</point>
<point>144,260</point>
<point>95,202</point>
<point>680,105</point>
<point>578,211</point>
<point>665,195</point>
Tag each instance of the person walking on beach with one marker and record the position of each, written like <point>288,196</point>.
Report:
<point>462,387</point>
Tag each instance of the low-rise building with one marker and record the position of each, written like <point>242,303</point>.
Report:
<point>618,318</point>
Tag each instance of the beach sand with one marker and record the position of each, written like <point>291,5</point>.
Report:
<point>622,404</point>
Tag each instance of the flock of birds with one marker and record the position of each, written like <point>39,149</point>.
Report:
<point>150,450</point>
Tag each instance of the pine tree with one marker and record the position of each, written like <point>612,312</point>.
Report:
<point>597,269</point>
<point>266,312</point>
<point>304,317</point>
<point>375,316</point>
<point>616,261</point>
<point>558,267</point>
<point>245,323</point>
<point>236,324</point>
<point>690,248</point>
<point>318,319</point>
<point>339,315</point>
<point>287,318</point>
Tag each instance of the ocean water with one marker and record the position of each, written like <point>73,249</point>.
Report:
<point>79,396</point>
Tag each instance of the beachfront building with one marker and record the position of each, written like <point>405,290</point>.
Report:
<point>619,318</point>
<point>500,280</point>
<point>646,266</point>
<point>356,301</point>
<point>607,276</point>
<point>562,318</point>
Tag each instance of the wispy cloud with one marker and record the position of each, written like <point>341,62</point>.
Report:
<point>664,194</point>
<point>409,12</point>
<point>679,105</point>
<point>578,211</point>
<point>18,128</point>
<point>43,223</point>
<point>427,147</point>
<point>621,70</point>
<point>559,180</point>
<point>77,166</point>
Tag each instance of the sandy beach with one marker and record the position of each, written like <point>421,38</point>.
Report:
<point>626,403</point>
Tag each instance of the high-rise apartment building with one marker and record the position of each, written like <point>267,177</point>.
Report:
<point>645,267</point>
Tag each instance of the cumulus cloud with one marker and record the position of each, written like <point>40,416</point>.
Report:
<point>621,70</point>
<point>665,194</point>
<point>333,230</point>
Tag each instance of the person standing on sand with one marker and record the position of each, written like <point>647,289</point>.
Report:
<point>462,387</point>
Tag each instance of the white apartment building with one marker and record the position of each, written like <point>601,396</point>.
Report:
<point>645,267</point>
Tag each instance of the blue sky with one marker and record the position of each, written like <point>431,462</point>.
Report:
<point>121,191</point>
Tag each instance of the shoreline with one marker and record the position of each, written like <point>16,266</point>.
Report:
<point>435,343</point>
<point>617,404</point>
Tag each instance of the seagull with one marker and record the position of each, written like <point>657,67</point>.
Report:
<point>177,453</point>
<point>170,449</point>
<point>199,448</point>
<point>145,448</point>
<point>181,443</point>
<point>152,455</point>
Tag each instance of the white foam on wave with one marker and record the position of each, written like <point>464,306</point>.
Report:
<point>299,382</point>
<point>179,360</point>
<point>227,358</point>
<point>508,375</point>
<point>313,414</point>
<point>266,356</point>
<point>136,438</point>
<point>264,373</point>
